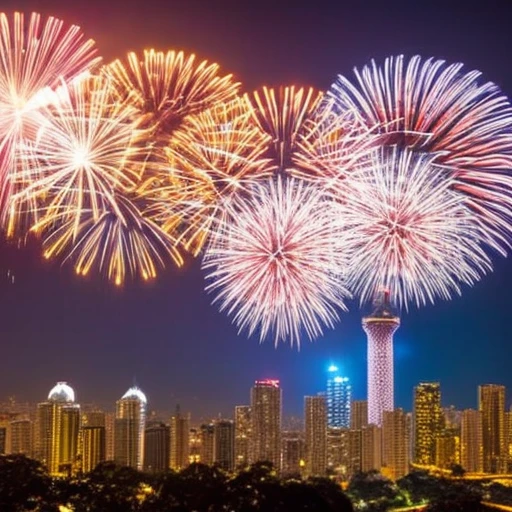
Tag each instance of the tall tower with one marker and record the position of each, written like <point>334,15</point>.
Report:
<point>358,414</point>
<point>266,422</point>
<point>428,421</point>
<point>156,448</point>
<point>395,446</point>
<point>224,444</point>
<point>180,445</point>
<point>338,399</point>
<point>93,447</point>
<point>315,414</point>
<point>471,449</point>
<point>491,403</point>
<point>129,429</point>
<point>57,426</point>
<point>243,426</point>
<point>22,437</point>
<point>380,327</point>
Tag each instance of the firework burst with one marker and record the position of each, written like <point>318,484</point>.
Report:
<point>79,180</point>
<point>34,55</point>
<point>283,114</point>
<point>276,265</point>
<point>166,87</point>
<point>408,231</point>
<point>439,108</point>
<point>214,157</point>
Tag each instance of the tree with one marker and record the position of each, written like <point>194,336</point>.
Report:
<point>457,470</point>
<point>25,485</point>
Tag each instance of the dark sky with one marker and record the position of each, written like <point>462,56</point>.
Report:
<point>166,335</point>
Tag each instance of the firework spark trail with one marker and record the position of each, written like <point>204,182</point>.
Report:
<point>82,173</point>
<point>283,113</point>
<point>469,125</point>
<point>166,87</point>
<point>121,243</point>
<point>215,156</point>
<point>34,55</point>
<point>276,265</point>
<point>408,231</point>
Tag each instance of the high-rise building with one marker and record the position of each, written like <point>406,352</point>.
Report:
<point>292,452</point>
<point>371,448</point>
<point>195,445</point>
<point>70,431</point>
<point>491,403</point>
<point>243,426</point>
<point>57,427</point>
<point>338,462</point>
<point>180,446</point>
<point>224,444</point>
<point>358,414</point>
<point>448,448</point>
<point>266,422</point>
<point>315,414</point>
<point>129,429</point>
<point>428,421</point>
<point>3,439</point>
<point>354,451</point>
<point>471,445</point>
<point>339,394</point>
<point>380,327</point>
<point>110,422</point>
<point>156,447</point>
<point>395,444</point>
<point>93,447</point>
<point>207,436</point>
<point>21,437</point>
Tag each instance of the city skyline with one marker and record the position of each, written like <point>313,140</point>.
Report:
<point>166,336</point>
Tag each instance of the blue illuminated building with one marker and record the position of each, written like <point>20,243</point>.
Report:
<point>339,394</point>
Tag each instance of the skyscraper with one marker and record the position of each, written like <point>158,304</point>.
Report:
<point>371,448</point>
<point>224,444</point>
<point>292,450</point>
<point>491,403</point>
<point>243,426</point>
<point>428,421</point>
<point>358,414</point>
<point>156,447</point>
<point>207,436</point>
<point>380,327</point>
<point>180,447</point>
<point>22,437</point>
<point>93,447</point>
<point>57,427</point>
<point>338,399</point>
<point>395,444</point>
<point>266,422</point>
<point>315,414</point>
<point>129,428</point>
<point>471,448</point>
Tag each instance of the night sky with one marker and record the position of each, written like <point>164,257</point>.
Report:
<point>165,335</point>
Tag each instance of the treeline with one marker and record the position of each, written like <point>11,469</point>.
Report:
<point>25,485</point>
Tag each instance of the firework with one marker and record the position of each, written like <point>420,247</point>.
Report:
<point>215,156</point>
<point>331,144</point>
<point>276,265</point>
<point>283,114</point>
<point>409,232</point>
<point>166,87</point>
<point>439,108</point>
<point>34,55</point>
<point>121,243</point>
<point>81,174</point>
